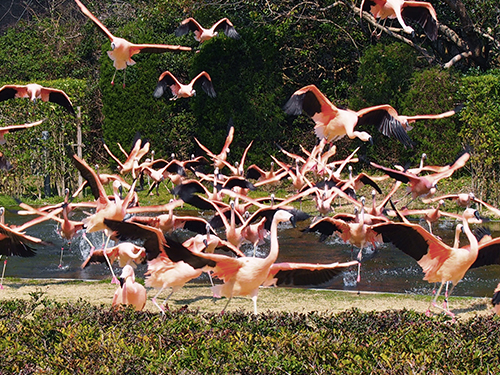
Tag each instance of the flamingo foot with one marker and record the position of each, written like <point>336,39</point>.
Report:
<point>123,85</point>
<point>114,280</point>
<point>1,287</point>
<point>216,295</point>
<point>112,83</point>
<point>428,313</point>
<point>60,265</point>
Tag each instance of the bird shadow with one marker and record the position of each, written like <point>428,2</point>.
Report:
<point>480,305</point>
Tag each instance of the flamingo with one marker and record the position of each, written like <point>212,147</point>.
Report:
<point>424,186</point>
<point>357,232</point>
<point>34,91</point>
<point>130,292</point>
<point>241,276</point>
<point>333,123</point>
<point>439,262</point>
<point>201,35</point>
<point>222,156</point>
<point>122,50</point>
<point>180,90</point>
<point>420,12</point>
<point>136,154</point>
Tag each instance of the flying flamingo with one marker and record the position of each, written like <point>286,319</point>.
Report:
<point>440,262</point>
<point>423,186</point>
<point>130,292</point>
<point>131,164</point>
<point>34,91</point>
<point>333,123</point>
<point>222,156</point>
<point>122,50</point>
<point>179,90</point>
<point>201,35</point>
<point>420,12</point>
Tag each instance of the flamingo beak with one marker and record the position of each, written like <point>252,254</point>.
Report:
<point>293,220</point>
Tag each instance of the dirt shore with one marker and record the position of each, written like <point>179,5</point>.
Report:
<point>199,296</point>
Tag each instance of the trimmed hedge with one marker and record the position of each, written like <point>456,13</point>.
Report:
<point>43,336</point>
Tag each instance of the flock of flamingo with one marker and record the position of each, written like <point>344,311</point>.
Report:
<point>314,174</point>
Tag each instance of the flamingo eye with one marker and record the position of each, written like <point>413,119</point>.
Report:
<point>113,45</point>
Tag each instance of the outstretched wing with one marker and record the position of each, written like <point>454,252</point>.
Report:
<point>206,83</point>
<point>103,28</point>
<point>189,24</point>
<point>227,27</point>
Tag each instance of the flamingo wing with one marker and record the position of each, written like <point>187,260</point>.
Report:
<point>13,91</point>
<point>387,120</point>
<point>58,97</point>
<point>230,135</point>
<point>489,253</point>
<point>312,101</point>
<point>227,27</point>
<point>178,252</point>
<point>15,128</point>
<point>302,274</point>
<point>103,28</point>
<point>206,83</point>
<point>91,177</point>
<point>166,79</point>
<point>189,24</point>
<point>327,226</point>
<point>152,237</point>
<point>422,13</point>
<point>413,240</point>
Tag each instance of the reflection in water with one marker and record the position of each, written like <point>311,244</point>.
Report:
<point>385,269</point>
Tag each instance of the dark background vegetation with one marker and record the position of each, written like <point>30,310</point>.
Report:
<point>285,45</point>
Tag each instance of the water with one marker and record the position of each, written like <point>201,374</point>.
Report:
<point>386,269</point>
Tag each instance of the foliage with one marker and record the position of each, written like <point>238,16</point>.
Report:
<point>481,117</point>
<point>45,336</point>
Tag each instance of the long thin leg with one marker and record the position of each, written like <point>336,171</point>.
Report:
<point>60,259</point>
<point>254,299</point>
<point>156,303</point>
<point>359,257</point>
<point>124,73</point>
<point>227,303</point>
<point>114,280</point>
<point>113,79</point>
<point>3,271</point>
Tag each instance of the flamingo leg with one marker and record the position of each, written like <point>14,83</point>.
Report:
<point>60,259</point>
<point>254,299</point>
<point>3,272</point>
<point>210,277</point>
<point>359,257</point>
<point>227,303</point>
<point>114,280</point>
<point>92,247</point>
<point>156,303</point>
<point>113,79</point>
<point>124,73</point>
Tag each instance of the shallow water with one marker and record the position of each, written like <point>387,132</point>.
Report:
<point>386,269</point>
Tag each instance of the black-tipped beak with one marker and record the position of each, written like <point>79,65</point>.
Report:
<point>371,140</point>
<point>293,220</point>
<point>122,281</point>
<point>477,216</point>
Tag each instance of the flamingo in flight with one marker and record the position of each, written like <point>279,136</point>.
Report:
<point>424,186</point>
<point>201,34</point>
<point>222,156</point>
<point>179,90</point>
<point>122,50</point>
<point>333,123</point>
<point>34,91</point>
<point>420,12</point>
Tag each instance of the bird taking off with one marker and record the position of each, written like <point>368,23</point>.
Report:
<point>34,91</point>
<point>122,50</point>
<point>201,34</point>
<point>333,123</point>
<point>420,12</point>
<point>179,90</point>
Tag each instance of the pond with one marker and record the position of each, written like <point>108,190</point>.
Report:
<point>385,269</point>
